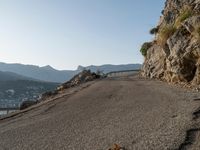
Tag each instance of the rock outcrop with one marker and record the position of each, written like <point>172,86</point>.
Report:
<point>174,55</point>
<point>82,77</point>
<point>26,104</point>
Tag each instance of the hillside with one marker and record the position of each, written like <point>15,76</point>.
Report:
<point>174,55</point>
<point>15,88</point>
<point>47,73</point>
<point>10,76</point>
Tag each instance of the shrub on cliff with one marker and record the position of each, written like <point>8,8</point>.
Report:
<point>154,30</point>
<point>145,48</point>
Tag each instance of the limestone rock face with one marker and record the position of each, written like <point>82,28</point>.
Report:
<point>178,59</point>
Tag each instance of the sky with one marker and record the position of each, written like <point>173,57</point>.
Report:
<point>68,33</point>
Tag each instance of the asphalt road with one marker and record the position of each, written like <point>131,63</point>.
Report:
<point>135,113</point>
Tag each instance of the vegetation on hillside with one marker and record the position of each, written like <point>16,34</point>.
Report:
<point>154,30</point>
<point>145,47</point>
<point>185,13</point>
<point>165,31</point>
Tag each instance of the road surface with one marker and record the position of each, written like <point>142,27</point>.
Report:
<point>135,113</point>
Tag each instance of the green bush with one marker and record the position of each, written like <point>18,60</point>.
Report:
<point>145,48</point>
<point>154,30</point>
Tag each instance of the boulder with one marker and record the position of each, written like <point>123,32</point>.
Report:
<point>26,104</point>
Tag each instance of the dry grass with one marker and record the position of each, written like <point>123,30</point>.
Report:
<point>185,13</point>
<point>164,33</point>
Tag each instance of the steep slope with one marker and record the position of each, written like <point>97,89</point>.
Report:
<point>15,88</point>
<point>10,76</point>
<point>13,92</point>
<point>174,55</point>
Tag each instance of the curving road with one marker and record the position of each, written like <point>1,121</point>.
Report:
<point>135,113</point>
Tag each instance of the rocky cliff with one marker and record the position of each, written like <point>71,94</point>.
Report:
<point>174,55</point>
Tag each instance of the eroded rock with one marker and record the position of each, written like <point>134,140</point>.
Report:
<point>178,61</point>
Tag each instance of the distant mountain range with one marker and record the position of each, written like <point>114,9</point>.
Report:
<point>46,73</point>
<point>49,74</point>
<point>111,68</point>
<point>15,88</point>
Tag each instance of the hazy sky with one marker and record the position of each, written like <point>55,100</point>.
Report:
<point>68,33</point>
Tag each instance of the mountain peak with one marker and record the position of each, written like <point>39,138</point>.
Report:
<point>80,68</point>
<point>48,67</point>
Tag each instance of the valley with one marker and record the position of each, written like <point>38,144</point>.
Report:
<point>14,89</point>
